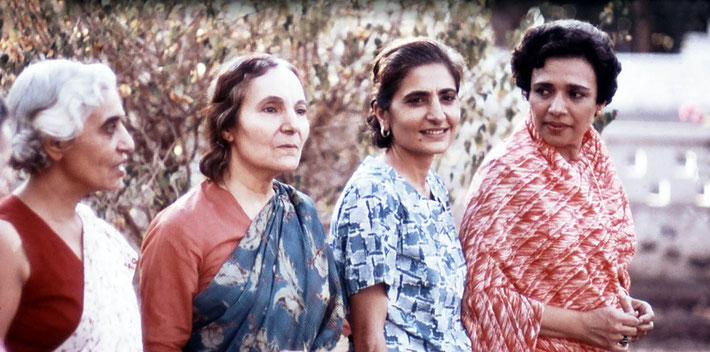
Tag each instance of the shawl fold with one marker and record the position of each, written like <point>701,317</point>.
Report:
<point>540,230</point>
<point>279,289</point>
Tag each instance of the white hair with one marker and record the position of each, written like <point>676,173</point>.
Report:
<point>53,98</point>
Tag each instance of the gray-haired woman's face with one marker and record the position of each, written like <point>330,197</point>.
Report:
<point>96,157</point>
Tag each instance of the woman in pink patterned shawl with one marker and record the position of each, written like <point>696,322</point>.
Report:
<point>548,233</point>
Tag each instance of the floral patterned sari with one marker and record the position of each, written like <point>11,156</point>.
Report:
<point>278,290</point>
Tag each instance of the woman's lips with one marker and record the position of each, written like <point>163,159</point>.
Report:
<point>557,125</point>
<point>435,131</point>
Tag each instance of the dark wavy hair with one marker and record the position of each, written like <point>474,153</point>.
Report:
<point>567,38</point>
<point>392,65</point>
<point>225,97</point>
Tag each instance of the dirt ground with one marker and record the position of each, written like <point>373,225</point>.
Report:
<point>682,311</point>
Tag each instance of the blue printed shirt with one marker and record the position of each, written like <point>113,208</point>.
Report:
<point>384,231</point>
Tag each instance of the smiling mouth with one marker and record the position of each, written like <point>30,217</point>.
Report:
<point>434,132</point>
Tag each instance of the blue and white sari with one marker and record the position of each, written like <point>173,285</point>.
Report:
<point>279,289</point>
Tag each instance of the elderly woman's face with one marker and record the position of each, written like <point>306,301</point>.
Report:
<point>94,160</point>
<point>562,99</point>
<point>272,125</point>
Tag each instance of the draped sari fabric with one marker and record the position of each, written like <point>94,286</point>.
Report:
<point>110,320</point>
<point>540,230</point>
<point>278,290</point>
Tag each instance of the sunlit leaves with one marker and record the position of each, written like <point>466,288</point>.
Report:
<point>165,53</point>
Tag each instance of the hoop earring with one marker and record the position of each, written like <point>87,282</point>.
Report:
<point>384,133</point>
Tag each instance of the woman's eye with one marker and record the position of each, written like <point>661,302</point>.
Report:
<point>110,127</point>
<point>449,98</point>
<point>577,95</point>
<point>301,111</point>
<point>270,109</point>
<point>416,100</point>
<point>542,91</point>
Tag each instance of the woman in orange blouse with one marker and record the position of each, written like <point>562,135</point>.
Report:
<point>547,233</point>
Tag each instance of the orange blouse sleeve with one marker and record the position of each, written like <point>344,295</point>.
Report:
<point>169,267</point>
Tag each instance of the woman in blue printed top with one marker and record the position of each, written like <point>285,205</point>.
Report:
<point>392,232</point>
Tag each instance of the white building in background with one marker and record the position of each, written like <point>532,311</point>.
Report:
<point>664,163</point>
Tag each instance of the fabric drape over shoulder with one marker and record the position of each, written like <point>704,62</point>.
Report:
<point>539,230</point>
<point>279,290</point>
<point>110,320</point>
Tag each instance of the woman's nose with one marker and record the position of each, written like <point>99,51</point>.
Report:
<point>436,111</point>
<point>125,142</point>
<point>558,104</point>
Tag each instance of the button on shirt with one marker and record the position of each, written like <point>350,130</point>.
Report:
<point>384,231</point>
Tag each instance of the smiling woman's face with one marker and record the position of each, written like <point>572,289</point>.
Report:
<point>563,95</point>
<point>272,125</point>
<point>424,113</point>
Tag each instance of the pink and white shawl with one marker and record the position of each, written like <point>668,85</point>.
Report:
<point>540,230</point>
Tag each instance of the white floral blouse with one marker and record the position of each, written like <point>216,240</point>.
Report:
<point>110,320</point>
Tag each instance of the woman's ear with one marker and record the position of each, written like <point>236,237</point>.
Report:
<point>227,136</point>
<point>600,109</point>
<point>54,148</point>
<point>382,116</point>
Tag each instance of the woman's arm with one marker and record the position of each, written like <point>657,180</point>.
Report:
<point>168,283</point>
<point>368,311</point>
<point>602,327</point>
<point>14,271</point>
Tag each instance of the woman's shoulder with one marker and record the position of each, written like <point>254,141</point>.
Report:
<point>103,232</point>
<point>184,210</point>
<point>372,177</point>
<point>297,197</point>
<point>87,215</point>
<point>11,249</point>
<point>518,152</point>
<point>180,221</point>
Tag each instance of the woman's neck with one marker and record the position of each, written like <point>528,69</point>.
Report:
<point>251,190</point>
<point>51,196</point>
<point>413,168</point>
<point>570,153</point>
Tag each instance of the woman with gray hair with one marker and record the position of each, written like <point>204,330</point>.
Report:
<point>66,274</point>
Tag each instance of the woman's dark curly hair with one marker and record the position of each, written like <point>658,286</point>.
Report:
<point>567,38</point>
<point>225,97</point>
<point>393,63</point>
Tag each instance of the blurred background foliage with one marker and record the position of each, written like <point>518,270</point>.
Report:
<point>165,53</point>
